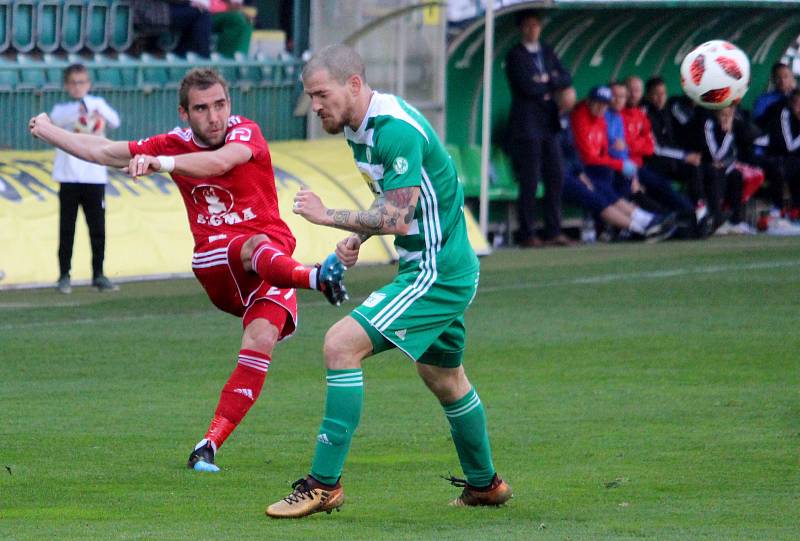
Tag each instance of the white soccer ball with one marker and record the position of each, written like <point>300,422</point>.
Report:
<point>716,74</point>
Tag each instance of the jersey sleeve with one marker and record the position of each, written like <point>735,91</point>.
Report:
<point>152,146</point>
<point>248,134</point>
<point>400,148</point>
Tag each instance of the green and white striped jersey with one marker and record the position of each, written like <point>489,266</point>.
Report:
<point>396,147</point>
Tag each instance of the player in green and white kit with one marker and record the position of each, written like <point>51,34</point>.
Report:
<point>420,201</point>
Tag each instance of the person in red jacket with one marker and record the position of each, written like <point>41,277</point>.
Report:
<point>638,132</point>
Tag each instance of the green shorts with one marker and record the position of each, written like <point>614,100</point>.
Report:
<point>425,321</point>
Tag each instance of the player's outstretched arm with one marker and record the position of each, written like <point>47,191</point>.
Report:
<point>388,215</point>
<point>211,163</point>
<point>91,148</point>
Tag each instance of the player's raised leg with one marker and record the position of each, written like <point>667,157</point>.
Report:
<point>267,260</point>
<point>464,411</point>
<point>263,324</point>
<point>346,345</point>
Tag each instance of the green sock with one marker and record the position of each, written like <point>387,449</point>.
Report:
<point>343,405</point>
<point>468,427</point>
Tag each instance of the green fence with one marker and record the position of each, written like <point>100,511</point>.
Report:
<point>147,98</point>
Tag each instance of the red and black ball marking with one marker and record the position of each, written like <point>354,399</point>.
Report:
<point>730,67</point>
<point>697,69</point>
<point>718,95</point>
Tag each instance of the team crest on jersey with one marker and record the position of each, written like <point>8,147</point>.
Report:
<point>219,204</point>
<point>400,165</point>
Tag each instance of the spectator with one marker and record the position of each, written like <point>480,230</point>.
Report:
<point>718,137</point>
<point>669,157</point>
<point>656,187</point>
<point>189,19</point>
<point>232,26</point>
<point>534,74</point>
<point>598,196</point>
<point>784,150</point>
<point>768,105</point>
<point>82,184</point>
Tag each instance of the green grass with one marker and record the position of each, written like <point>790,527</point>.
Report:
<point>633,391</point>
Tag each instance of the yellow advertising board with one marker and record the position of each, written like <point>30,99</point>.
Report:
<point>147,233</point>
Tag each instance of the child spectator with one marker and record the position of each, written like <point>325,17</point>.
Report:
<point>82,184</point>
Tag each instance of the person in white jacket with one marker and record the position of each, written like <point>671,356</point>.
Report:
<point>82,184</point>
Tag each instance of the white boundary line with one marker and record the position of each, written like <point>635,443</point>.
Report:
<point>579,281</point>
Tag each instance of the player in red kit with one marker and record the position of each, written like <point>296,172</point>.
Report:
<point>242,248</point>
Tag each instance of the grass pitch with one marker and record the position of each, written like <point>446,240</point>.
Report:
<point>632,391</point>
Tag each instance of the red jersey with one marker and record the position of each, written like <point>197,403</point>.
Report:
<point>242,201</point>
<point>638,134</point>
<point>591,138</point>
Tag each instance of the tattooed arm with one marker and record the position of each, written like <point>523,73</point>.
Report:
<point>390,214</point>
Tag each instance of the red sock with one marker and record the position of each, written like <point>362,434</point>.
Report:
<point>239,394</point>
<point>279,269</point>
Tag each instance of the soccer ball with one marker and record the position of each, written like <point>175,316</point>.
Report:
<point>92,123</point>
<point>716,74</point>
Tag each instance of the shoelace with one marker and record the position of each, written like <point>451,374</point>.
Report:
<point>456,481</point>
<point>300,492</point>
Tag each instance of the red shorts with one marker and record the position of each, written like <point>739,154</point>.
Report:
<point>218,267</point>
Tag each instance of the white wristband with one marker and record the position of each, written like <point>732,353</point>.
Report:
<point>167,163</point>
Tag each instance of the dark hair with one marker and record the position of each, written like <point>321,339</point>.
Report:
<point>73,69</point>
<point>525,14</point>
<point>776,67</point>
<point>794,94</point>
<point>612,84</point>
<point>653,82</point>
<point>201,78</point>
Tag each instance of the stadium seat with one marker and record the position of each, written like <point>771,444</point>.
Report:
<point>121,25</point>
<point>127,70</point>
<point>54,69</point>
<point>5,25</point>
<point>177,69</point>
<point>225,66</point>
<point>73,14</point>
<point>48,25</point>
<point>23,35</point>
<point>9,77</point>
<point>502,175</point>
<point>33,75</point>
<point>105,73</point>
<point>96,31</point>
<point>153,75</point>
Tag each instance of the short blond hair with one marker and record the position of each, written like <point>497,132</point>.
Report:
<point>340,61</point>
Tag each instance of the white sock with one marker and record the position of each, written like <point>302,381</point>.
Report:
<point>640,219</point>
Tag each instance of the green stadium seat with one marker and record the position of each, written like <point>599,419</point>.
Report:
<point>9,77</point>
<point>225,66</point>
<point>48,25</point>
<point>33,75</point>
<point>97,23</point>
<point>73,14</point>
<point>54,68</point>
<point>23,16</point>
<point>127,70</point>
<point>105,73</point>
<point>121,25</point>
<point>502,175</point>
<point>178,68</point>
<point>5,25</point>
<point>153,75</point>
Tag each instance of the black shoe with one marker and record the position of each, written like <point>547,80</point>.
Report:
<point>202,458</point>
<point>104,284</point>
<point>63,285</point>
<point>330,280</point>
<point>661,227</point>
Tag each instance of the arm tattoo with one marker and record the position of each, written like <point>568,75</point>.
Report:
<point>382,217</point>
<point>340,217</point>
